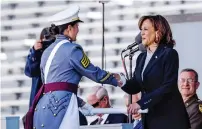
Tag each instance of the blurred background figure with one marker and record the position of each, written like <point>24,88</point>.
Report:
<point>137,122</point>
<point>99,98</point>
<point>32,67</point>
<point>33,60</point>
<point>188,84</point>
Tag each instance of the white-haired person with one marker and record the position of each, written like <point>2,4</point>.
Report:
<point>63,64</point>
<point>98,97</point>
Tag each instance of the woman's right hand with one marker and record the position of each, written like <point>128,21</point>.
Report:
<point>38,45</point>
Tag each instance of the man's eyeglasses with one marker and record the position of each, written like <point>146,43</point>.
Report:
<point>97,103</point>
<point>189,80</point>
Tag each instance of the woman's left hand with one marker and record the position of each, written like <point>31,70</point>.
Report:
<point>133,108</point>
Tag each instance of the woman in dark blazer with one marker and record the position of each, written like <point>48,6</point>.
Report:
<point>156,76</point>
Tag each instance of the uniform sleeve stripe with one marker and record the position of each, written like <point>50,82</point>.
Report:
<point>106,77</point>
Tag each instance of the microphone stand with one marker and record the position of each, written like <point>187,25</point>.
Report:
<point>103,31</point>
<point>103,34</point>
<point>130,77</point>
<point>124,65</point>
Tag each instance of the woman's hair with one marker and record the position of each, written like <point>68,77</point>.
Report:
<point>160,24</point>
<point>44,32</point>
<point>54,30</point>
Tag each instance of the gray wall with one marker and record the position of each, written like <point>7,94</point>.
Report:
<point>188,38</point>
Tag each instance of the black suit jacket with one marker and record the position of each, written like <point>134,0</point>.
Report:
<point>82,119</point>
<point>113,119</point>
<point>159,90</point>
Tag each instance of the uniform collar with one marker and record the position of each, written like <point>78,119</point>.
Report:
<point>191,100</point>
<point>62,37</point>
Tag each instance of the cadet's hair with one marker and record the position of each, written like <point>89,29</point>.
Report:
<point>191,70</point>
<point>160,24</point>
<point>54,30</point>
<point>99,91</point>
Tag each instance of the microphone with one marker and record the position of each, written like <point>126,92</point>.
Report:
<point>138,40</point>
<point>140,47</point>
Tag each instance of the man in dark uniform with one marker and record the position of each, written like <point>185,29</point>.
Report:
<point>188,84</point>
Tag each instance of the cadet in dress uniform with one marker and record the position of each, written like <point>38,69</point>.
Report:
<point>63,64</point>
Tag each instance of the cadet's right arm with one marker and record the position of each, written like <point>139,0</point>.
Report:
<point>82,64</point>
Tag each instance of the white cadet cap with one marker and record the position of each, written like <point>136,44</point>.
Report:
<point>66,16</point>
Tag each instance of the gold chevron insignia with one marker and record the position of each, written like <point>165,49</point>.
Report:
<point>85,61</point>
<point>200,107</point>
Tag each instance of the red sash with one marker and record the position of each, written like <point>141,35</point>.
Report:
<point>56,86</point>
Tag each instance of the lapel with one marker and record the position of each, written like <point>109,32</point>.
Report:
<point>155,57</point>
<point>191,100</point>
<point>140,68</point>
<point>94,122</point>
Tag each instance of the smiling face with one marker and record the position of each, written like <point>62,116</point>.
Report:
<point>187,84</point>
<point>148,32</point>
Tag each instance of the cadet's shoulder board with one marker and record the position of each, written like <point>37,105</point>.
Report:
<point>85,61</point>
<point>200,106</point>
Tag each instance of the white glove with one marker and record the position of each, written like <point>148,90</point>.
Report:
<point>87,110</point>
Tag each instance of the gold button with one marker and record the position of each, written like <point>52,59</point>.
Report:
<point>34,127</point>
<point>44,107</point>
<point>55,114</point>
<point>44,93</point>
<point>56,101</point>
<point>42,125</point>
<point>35,109</point>
<point>50,91</point>
<point>55,108</point>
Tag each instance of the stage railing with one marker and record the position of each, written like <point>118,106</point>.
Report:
<point>10,122</point>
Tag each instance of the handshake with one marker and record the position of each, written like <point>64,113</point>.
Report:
<point>121,79</point>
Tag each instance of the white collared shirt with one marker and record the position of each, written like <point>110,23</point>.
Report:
<point>104,117</point>
<point>136,122</point>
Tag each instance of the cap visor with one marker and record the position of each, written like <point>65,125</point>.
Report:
<point>79,20</point>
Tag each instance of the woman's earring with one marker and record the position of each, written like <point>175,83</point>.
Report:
<point>156,39</point>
